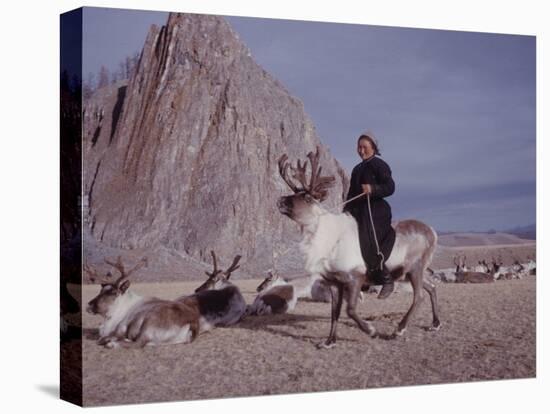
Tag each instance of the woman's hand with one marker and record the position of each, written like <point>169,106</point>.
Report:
<point>367,189</point>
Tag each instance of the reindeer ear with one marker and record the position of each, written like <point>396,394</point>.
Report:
<point>124,287</point>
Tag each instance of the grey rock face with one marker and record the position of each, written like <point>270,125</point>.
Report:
<point>184,156</point>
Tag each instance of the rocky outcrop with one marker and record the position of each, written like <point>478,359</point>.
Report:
<point>184,156</point>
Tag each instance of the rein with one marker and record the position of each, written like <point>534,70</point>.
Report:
<point>340,205</point>
<point>378,252</point>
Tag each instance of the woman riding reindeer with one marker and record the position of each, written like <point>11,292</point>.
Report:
<point>372,177</point>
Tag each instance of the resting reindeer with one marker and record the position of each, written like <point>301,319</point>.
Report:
<point>463,275</point>
<point>460,264</point>
<point>331,245</point>
<point>219,301</point>
<point>483,267</point>
<point>496,267</point>
<point>447,275</point>
<point>320,291</point>
<point>276,295</point>
<point>531,267</point>
<point>135,321</point>
<point>515,271</point>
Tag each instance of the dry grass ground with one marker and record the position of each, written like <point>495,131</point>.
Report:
<point>488,333</point>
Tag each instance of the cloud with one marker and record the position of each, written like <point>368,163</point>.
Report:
<point>454,111</point>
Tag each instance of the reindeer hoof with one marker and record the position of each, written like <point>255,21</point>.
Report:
<point>326,345</point>
<point>372,332</point>
<point>434,328</point>
<point>103,341</point>
<point>399,332</point>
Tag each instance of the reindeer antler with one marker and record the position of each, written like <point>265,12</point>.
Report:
<point>283,171</point>
<point>120,267</point>
<point>94,275</point>
<point>456,260</point>
<point>216,270</point>
<point>317,187</point>
<point>299,173</point>
<point>234,266</point>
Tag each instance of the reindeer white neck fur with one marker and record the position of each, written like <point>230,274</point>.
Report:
<point>328,241</point>
<point>119,310</point>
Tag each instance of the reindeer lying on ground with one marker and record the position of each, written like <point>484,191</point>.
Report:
<point>320,291</point>
<point>482,267</point>
<point>516,271</point>
<point>219,302</point>
<point>277,295</point>
<point>447,275</point>
<point>331,246</point>
<point>460,264</point>
<point>496,268</point>
<point>135,321</point>
<point>463,275</point>
<point>531,267</point>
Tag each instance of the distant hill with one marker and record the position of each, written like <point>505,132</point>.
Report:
<point>525,232</point>
<point>480,239</point>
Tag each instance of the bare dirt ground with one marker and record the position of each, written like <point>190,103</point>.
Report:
<point>488,333</point>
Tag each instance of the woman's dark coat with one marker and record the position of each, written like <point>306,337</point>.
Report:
<point>377,173</point>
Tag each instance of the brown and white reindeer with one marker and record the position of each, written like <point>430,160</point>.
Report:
<point>276,295</point>
<point>483,267</point>
<point>450,275</point>
<point>220,302</point>
<point>132,320</point>
<point>515,271</point>
<point>330,243</point>
<point>460,263</point>
<point>496,267</point>
<point>531,266</point>
<point>463,275</point>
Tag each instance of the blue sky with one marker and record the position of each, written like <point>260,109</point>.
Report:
<point>454,112</point>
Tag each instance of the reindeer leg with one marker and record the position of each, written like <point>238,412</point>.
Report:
<point>430,288</point>
<point>416,279</point>
<point>353,290</point>
<point>337,294</point>
<point>194,328</point>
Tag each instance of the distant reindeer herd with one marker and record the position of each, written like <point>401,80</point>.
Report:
<point>484,272</point>
<point>334,270</point>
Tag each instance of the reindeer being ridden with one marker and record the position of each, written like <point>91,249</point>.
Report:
<point>331,246</point>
